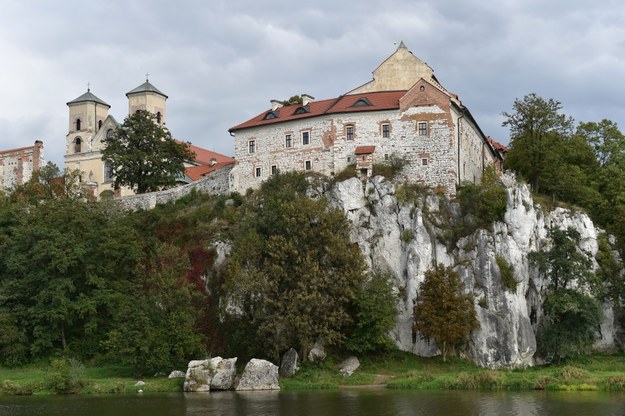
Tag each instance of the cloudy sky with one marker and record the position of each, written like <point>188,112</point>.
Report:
<point>220,62</point>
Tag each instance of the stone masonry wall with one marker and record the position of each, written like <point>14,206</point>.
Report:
<point>431,159</point>
<point>215,183</point>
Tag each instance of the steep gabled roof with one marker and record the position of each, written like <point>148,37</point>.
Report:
<point>383,100</point>
<point>88,97</point>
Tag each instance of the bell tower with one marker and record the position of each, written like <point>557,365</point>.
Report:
<point>86,115</point>
<point>147,97</point>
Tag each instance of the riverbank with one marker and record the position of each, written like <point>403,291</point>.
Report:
<point>405,371</point>
<point>396,370</point>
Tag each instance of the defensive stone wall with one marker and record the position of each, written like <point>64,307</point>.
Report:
<point>215,183</point>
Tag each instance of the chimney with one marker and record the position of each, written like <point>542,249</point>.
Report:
<point>275,104</point>
<point>307,99</point>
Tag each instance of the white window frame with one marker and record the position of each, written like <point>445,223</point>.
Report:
<point>386,134</point>
<point>423,128</point>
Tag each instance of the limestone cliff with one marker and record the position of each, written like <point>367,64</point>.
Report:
<point>408,238</point>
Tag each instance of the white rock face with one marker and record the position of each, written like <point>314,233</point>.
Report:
<point>213,374</point>
<point>259,375</point>
<point>404,239</point>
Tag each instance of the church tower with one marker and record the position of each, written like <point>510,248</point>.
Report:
<point>147,97</point>
<point>86,115</point>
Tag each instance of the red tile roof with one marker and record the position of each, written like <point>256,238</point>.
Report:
<point>365,150</point>
<point>196,172</point>
<point>497,146</point>
<point>383,100</point>
<point>206,157</point>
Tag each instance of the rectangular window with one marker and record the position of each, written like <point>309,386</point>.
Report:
<point>349,132</point>
<point>386,130</point>
<point>308,165</point>
<point>274,169</point>
<point>258,172</point>
<point>424,162</point>
<point>305,137</point>
<point>252,146</point>
<point>288,141</point>
<point>349,159</point>
<point>385,156</point>
<point>423,128</point>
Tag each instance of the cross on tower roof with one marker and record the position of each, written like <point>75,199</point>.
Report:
<point>146,77</point>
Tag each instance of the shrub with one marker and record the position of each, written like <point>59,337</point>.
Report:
<point>507,274</point>
<point>487,201</point>
<point>347,173</point>
<point>66,376</point>
<point>375,315</point>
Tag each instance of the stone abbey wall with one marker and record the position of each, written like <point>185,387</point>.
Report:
<point>431,158</point>
<point>215,183</point>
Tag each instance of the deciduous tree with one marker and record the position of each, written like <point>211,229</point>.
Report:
<point>143,155</point>
<point>443,312</point>
<point>535,125</point>
<point>293,272</point>
<point>571,316</point>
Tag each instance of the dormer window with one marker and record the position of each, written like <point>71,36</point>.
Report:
<point>302,110</point>
<point>271,115</point>
<point>362,102</point>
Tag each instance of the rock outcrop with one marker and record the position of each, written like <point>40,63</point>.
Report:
<point>288,364</point>
<point>211,374</point>
<point>348,366</point>
<point>259,375</point>
<point>407,238</point>
<point>317,353</point>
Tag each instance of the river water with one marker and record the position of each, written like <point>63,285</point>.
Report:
<point>356,401</point>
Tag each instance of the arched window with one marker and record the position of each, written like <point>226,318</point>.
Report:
<point>77,145</point>
<point>109,134</point>
<point>108,171</point>
<point>158,117</point>
<point>77,124</point>
<point>99,124</point>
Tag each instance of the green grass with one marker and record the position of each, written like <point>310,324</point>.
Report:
<point>110,379</point>
<point>396,369</point>
<point>406,371</point>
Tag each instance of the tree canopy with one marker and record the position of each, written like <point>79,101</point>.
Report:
<point>571,316</point>
<point>535,125</point>
<point>293,273</point>
<point>143,155</point>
